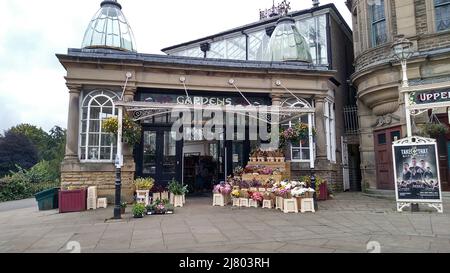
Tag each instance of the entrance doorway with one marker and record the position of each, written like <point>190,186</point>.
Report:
<point>383,157</point>
<point>159,155</point>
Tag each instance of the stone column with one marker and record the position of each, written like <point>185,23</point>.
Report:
<point>321,141</point>
<point>276,99</point>
<point>73,123</point>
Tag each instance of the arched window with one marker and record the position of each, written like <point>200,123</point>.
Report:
<point>97,146</point>
<point>300,152</point>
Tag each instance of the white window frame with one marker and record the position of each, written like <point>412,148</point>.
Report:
<point>330,130</point>
<point>110,95</point>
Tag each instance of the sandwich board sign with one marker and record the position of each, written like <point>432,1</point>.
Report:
<point>416,170</point>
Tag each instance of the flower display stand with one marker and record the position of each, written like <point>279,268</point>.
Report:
<point>165,195</point>
<point>157,196</point>
<point>307,205</point>
<point>92,198</point>
<point>279,203</point>
<point>290,205</point>
<point>236,202</point>
<point>262,190</point>
<point>178,201</point>
<point>244,202</point>
<point>143,197</point>
<point>102,203</point>
<point>252,203</point>
<point>267,204</point>
<point>218,200</point>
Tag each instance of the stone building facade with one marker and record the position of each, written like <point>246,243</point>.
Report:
<point>377,77</point>
<point>96,74</point>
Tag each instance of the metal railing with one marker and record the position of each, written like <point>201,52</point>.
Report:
<point>351,120</point>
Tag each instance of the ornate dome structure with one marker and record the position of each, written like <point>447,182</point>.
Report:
<point>287,44</point>
<point>109,29</point>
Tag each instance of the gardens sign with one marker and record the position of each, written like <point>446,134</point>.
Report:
<point>416,169</point>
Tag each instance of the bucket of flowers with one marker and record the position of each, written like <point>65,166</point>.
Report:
<point>236,194</point>
<point>256,199</point>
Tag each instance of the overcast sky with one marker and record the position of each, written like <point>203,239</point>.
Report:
<point>32,86</point>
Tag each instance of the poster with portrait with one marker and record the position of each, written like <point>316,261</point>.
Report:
<point>416,169</point>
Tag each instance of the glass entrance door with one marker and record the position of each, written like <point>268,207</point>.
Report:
<point>160,155</point>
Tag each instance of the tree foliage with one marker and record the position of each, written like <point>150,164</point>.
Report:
<point>16,150</point>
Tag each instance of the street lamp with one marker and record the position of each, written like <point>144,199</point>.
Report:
<point>402,49</point>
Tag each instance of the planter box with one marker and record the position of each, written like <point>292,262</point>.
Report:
<point>178,201</point>
<point>244,202</point>
<point>252,203</point>
<point>236,202</point>
<point>290,205</point>
<point>279,203</point>
<point>267,204</point>
<point>143,197</point>
<point>72,201</point>
<point>218,200</point>
<point>307,205</point>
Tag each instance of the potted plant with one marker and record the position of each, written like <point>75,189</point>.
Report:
<point>321,187</point>
<point>143,187</point>
<point>131,129</point>
<point>279,156</point>
<point>138,210</point>
<point>434,130</point>
<point>235,194</point>
<point>254,156</point>
<point>270,156</point>
<point>123,207</point>
<point>179,191</point>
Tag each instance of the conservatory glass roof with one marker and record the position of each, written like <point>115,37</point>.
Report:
<point>287,44</point>
<point>109,29</point>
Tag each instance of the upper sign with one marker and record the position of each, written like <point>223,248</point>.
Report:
<point>431,96</point>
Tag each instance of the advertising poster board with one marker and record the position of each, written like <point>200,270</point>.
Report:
<point>416,169</point>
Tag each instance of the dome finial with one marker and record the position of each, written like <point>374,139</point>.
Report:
<point>287,44</point>
<point>109,29</point>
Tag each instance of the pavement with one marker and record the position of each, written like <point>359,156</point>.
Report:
<point>20,204</point>
<point>350,223</point>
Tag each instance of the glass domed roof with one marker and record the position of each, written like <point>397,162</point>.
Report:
<point>109,29</point>
<point>287,44</point>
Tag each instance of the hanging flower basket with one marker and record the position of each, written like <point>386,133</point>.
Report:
<point>298,133</point>
<point>131,129</point>
<point>435,129</point>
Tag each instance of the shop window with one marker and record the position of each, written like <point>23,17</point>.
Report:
<point>442,14</point>
<point>299,151</point>
<point>97,145</point>
<point>377,17</point>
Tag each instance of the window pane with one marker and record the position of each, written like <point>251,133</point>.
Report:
<point>377,10</point>
<point>379,33</point>
<point>442,14</point>
<point>94,126</point>
<point>94,139</point>
<point>149,162</point>
<point>83,153</point>
<point>95,113</point>
<point>105,153</point>
<point>257,44</point>
<point>93,153</point>
<point>217,50</point>
<point>382,139</point>
<point>107,140</point>
<point>236,48</point>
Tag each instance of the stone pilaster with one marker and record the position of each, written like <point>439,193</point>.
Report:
<point>73,122</point>
<point>321,141</point>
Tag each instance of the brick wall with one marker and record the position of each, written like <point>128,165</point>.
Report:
<point>105,182</point>
<point>421,17</point>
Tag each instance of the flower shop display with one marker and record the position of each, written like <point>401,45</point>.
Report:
<point>143,187</point>
<point>160,207</point>
<point>178,190</point>
<point>307,205</point>
<point>321,187</point>
<point>221,194</point>
<point>255,199</point>
<point>139,210</point>
<point>290,205</point>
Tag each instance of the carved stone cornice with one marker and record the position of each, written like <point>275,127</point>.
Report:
<point>74,88</point>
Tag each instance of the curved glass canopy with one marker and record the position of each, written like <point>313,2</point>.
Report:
<point>109,29</point>
<point>287,44</point>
